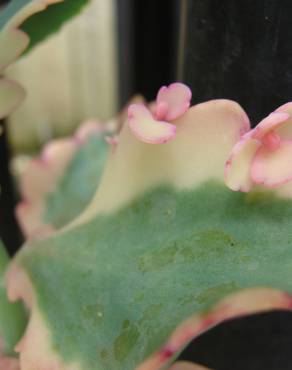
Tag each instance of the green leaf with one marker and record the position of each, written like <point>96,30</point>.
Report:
<point>12,315</point>
<point>43,24</point>
<point>123,282</point>
<point>78,184</point>
<point>14,7</point>
<point>14,41</point>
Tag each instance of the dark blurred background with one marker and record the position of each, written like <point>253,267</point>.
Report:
<point>240,50</point>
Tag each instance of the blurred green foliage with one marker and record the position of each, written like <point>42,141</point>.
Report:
<point>49,21</point>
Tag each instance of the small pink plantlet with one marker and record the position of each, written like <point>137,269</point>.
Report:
<point>146,128</point>
<point>172,102</point>
<point>263,155</point>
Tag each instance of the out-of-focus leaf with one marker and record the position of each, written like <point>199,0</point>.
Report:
<point>78,185</point>
<point>43,24</point>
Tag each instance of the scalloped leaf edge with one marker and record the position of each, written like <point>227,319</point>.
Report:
<point>14,42</point>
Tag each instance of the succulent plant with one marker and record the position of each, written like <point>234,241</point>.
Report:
<point>164,250</point>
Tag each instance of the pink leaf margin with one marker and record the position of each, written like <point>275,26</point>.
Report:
<point>244,303</point>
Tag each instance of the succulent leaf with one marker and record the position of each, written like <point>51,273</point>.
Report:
<point>13,42</point>
<point>11,95</point>
<point>164,252</point>
<point>41,25</point>
<point>262,155</point>
<point>57,185</point>
<point>123,282</point>
<point>37,19</point>
<point>78,183</point>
